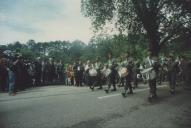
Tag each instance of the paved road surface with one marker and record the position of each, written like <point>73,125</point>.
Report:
<point>72,107</point>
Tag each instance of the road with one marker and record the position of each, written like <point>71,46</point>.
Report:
<point>78,107</point>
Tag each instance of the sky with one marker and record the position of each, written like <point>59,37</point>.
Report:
<point>43,20</point>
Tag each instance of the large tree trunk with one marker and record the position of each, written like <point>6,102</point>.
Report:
<point>148,17</point>
<point>153,43</point>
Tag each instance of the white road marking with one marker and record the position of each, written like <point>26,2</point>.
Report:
<point>102,97</point>
<point>119,94</point>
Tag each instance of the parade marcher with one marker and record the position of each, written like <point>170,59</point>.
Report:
<point>98,67</point>
<point>121,80</point>
<point>162,74</point>
<point>136,73</point>
<point>86,73</point>
<point>97,78</point>
<point>183,68</point>
<point>173,69</point>
<point>92,76</point>
<point>128,79</point>
<point>112,76</point>
<point>151,65</point>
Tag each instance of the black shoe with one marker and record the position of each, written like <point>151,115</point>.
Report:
<point>124,94</point>
<point>113,90</point>
<point>92,88</point>
<point>100,88</point>
<point>106,91</point>
<point>152,97</point>
<point>155,96</point>
<point>172,92</point>
<point>131,92</point>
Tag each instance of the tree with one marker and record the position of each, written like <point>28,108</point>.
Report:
<point>76,49</point>
<point>161,20</point>
<point>184,4</point>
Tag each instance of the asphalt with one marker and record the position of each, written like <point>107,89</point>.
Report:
<point>78,107</point>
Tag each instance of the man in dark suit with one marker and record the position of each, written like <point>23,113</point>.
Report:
<point>79,69</point>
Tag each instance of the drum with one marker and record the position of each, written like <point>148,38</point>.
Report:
<point>106,72</point>
<point>123,72</point>
<point>152,74</point>
<point>139,76</point>
<point>93,72</point>
<point>86,67</point>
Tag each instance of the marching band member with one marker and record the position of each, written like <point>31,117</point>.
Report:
<point>86,73</point>
<point>136,74</point>
<point>92,76</point>
<point>120,66</point>
<point>173,69</point>
<point>128,86</point>
<point>112,77</point>
<point>98,69</point>
<point>151,65</point>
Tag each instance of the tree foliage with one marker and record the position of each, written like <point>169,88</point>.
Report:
<point>69,52</point>
<point>160,20</point>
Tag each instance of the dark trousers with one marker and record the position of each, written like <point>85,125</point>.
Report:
<point>152,86</point>
<point>37,79</point>
<point>79,79</point>
<point>112,79</point>
<point>3,83</point>
<point>172,81</point>
<point>135,80</point>
<point>92,81</point>
<point>112,82</point>
<point>122,80</point>
<point>96,80</point>
<point>128,84</point>
<point>86,78</point>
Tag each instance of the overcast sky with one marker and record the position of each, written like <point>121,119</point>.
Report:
<point>42,20</point>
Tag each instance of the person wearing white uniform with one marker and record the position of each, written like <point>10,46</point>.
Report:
<point>112,76</point>
<point>151,65</point>
<point>128,86</point>
<point>97,78</point>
